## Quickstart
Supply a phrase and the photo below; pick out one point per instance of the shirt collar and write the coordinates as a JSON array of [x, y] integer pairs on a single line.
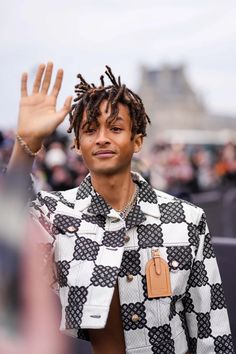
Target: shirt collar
[[147, 203]]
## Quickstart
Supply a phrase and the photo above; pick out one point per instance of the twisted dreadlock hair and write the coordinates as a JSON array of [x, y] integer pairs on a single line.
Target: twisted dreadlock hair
[[89, 98]]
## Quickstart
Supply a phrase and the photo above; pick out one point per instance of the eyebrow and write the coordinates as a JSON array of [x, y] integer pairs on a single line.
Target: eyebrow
[[119, 118]]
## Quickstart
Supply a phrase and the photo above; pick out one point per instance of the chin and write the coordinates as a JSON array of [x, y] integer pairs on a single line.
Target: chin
[[108, 170], [105, 171]]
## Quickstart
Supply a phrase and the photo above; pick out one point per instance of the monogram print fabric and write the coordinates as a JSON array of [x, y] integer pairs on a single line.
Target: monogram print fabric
[[94, 248]]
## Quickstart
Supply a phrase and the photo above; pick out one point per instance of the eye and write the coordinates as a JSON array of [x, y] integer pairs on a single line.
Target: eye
[[116, 129], [90, 130]]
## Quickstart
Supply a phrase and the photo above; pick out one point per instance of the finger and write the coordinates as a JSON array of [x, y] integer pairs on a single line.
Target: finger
[[67, 105], [38, 78], [47, 78], [24, 78], [65, 109], [57, 84]]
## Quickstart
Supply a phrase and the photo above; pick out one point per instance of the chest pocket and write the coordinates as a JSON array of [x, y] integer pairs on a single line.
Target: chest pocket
[[179, 260], [77, 247], [76, 240], [178, 257]]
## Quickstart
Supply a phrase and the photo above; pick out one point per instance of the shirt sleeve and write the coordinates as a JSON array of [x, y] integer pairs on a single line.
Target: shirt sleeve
[[205, 308], [40, 212]]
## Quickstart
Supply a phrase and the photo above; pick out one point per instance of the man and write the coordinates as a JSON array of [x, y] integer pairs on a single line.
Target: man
[[136, 269]]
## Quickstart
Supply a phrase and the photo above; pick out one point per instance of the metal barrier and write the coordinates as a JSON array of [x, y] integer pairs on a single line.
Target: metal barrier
[[220, 209], [225, 249]]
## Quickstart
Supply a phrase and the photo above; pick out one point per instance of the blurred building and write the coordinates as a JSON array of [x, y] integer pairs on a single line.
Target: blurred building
[[178, 112]]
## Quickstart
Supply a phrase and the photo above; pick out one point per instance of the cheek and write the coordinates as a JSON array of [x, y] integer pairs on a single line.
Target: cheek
[[86, 144], [84, 152], [128, 151]]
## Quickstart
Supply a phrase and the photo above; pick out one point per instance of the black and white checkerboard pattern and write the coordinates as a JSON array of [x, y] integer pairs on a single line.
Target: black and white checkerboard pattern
[[94, 248]]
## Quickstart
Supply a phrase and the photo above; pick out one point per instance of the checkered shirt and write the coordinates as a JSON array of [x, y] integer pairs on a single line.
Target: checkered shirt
[[94, 247]]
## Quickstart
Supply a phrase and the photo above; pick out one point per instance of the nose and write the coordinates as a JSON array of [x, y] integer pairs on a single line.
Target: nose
[[102, 137]]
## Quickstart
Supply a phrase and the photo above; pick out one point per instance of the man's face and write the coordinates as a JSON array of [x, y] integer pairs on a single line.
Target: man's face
[[107, 148]]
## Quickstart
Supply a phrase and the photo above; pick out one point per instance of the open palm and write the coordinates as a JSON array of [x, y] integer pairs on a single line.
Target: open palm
[[38, 116]]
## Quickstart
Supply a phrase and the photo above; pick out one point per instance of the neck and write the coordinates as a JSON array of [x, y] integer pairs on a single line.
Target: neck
[[116, 190]]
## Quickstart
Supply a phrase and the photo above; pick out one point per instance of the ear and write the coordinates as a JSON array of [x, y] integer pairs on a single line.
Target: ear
[[138, 142], [77, 146]]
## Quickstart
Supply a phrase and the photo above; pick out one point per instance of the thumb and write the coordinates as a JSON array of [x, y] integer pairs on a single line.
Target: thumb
[[65, 109]]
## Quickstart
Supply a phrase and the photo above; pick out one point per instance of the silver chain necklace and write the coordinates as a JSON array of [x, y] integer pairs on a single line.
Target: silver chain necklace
[[127, 208]]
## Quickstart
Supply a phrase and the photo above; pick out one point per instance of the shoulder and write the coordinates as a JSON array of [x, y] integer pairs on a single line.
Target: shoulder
[[172, 209], [54, 199], [171, 204]]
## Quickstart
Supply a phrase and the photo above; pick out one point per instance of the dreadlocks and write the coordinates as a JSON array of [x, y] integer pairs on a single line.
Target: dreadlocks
[[89, 98]]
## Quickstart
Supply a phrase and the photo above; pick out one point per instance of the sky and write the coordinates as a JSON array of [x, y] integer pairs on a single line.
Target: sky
[[85, 35]]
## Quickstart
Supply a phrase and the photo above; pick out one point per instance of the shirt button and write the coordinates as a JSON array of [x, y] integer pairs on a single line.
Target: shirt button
[[175, 264], [129, 277], [71, 228], [135, 318], [126, 238]]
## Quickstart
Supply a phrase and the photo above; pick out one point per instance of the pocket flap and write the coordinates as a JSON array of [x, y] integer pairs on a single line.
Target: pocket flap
[[66, 224], [177, 257]]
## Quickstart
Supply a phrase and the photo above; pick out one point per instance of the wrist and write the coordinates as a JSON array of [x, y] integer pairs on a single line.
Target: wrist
[[34, 144], [30, 146]]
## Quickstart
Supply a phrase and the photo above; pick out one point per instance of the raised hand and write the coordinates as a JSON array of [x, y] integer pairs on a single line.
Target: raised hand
[[38, 116]]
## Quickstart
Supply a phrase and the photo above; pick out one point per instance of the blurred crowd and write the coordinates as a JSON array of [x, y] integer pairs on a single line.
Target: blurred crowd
[[175, 168], [178, 169], [57, 166]]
